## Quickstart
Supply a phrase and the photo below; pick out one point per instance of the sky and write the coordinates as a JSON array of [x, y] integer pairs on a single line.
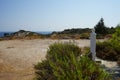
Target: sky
[[57, 15]]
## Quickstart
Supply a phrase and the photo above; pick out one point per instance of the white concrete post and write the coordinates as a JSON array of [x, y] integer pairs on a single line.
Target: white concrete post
[[93, 44]]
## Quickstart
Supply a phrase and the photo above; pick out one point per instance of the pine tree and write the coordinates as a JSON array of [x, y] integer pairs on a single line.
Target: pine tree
[[100, 28]]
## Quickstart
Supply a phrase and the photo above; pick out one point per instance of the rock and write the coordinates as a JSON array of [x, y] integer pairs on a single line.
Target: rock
[[23, 33]]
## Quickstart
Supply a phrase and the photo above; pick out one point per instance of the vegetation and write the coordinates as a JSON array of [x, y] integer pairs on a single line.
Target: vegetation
[[74, 33], [115, 40], [102, 30], [83, 33], [77, 33], [21, 34], [105, 51], [61, 50], [64, 62], [1, 39], [110, 50]]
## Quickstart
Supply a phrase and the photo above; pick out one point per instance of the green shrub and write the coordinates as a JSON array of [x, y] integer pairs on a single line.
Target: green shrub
[[1, 39], [61, 50], [84, 36], [64, 62], [86, 50], [78, 69], [110, 49], [115, 40], [44, 71], [118, 61], [105, 51], [100, 36]]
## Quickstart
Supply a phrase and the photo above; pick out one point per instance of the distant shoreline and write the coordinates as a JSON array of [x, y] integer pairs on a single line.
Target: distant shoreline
[[40, 32]]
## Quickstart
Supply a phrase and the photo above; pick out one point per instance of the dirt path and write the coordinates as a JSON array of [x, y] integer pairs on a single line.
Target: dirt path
[[17, 57], [17, 75]]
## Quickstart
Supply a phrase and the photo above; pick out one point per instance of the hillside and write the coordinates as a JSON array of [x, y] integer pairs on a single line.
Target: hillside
[[22, 34], [78, 33], [74, 33]]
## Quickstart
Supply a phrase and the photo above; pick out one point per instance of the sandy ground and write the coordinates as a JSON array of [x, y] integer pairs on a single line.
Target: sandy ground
[[17, 57]]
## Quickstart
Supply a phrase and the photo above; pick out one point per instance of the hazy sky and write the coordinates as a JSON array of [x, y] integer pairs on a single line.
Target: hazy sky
[[57, 15]]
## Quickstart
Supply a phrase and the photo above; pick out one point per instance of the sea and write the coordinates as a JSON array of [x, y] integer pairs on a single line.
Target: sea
[[40, 32]]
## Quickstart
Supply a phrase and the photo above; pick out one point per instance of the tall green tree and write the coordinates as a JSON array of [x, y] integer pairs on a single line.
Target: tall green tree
[[100, 28]]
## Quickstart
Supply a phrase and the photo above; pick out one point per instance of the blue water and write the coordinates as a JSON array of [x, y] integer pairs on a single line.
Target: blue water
[[44, 32], [40, 32], [2, 33]]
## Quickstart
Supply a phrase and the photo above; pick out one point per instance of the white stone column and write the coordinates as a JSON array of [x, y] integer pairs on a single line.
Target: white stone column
[[93, 44]]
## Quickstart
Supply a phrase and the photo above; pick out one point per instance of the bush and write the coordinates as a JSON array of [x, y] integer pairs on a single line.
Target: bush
[[86, 50], [61, 50], [63, 62], [105, 51], [110, 49], [1, 39], [115, 40], [118, 61], [44, 71], [84, 36], [74, 69], [100, 36]]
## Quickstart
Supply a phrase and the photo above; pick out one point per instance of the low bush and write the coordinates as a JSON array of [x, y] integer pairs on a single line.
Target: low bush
[[105, 51], [78, 69], [44, 71], [100, 36], [1, 39], [110, 49], [118, 61], [84, 36], [64, 62], [61, 50]]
